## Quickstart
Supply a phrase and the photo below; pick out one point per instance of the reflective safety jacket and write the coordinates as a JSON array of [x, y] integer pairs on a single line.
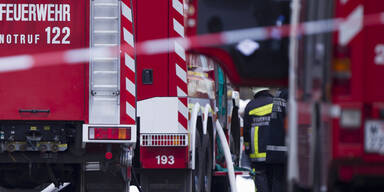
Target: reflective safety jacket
[[257, 115], [276, 148]]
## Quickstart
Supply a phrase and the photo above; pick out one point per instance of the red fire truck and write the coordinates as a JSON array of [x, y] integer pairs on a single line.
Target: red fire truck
[[336, 105], [90, 123], [339, 102]]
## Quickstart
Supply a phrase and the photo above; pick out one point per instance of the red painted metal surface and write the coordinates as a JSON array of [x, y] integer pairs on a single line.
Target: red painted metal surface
[[59, 89], [355, 53], [86, 76], [152, 22], [347, 143], [160, 20], [364, 93], [164, 157], [373, 66], [348, 172]]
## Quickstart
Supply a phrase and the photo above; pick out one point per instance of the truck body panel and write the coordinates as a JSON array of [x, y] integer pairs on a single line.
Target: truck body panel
[[373, 55], [345, 110], [58, 90], [44, 27], [152, 23]]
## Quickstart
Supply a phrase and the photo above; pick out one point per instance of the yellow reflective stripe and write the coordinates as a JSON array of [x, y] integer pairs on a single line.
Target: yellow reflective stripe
[[256, 146], [261, 111]]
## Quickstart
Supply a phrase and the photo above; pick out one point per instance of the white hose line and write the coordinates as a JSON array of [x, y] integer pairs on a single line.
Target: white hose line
[[228, 157], [195, 112], [207, 109]]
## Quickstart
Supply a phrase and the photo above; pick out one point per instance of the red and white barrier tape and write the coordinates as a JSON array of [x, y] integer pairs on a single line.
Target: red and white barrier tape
[[24, 62]]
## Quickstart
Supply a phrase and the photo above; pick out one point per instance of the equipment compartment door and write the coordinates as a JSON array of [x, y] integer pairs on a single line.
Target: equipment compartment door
[[50, 89], [374, 53]]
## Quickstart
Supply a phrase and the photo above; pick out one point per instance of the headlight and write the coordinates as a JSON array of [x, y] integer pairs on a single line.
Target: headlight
[[350, 118]]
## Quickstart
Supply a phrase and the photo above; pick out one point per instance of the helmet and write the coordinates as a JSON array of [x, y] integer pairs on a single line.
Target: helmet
[[256, 90]]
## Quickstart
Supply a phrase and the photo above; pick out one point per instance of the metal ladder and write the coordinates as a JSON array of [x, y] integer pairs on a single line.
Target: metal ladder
[[104, 93]]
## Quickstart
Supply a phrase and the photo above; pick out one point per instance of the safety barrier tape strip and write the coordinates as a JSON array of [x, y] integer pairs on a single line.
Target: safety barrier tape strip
[[25, 61]]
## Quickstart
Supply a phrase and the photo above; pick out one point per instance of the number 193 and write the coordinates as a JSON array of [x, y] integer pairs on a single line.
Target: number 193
[[163, 159]]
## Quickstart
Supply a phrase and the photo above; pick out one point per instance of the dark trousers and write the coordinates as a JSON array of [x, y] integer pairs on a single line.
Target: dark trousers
[[270, 177]]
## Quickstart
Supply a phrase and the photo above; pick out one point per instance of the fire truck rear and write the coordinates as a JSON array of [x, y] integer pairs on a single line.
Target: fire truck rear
[[67, 123], [81, 104], [339, 102], [357, 132]]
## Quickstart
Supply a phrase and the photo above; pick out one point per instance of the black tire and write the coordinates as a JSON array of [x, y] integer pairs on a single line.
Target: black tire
[[208, 161], [197, 174]]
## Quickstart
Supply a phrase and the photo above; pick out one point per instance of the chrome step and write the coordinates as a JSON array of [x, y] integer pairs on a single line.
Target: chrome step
[[105, 86], [106, 4], [101, 59], [105, 72], [105, 45], [105, 98], [105, 32], [105, 18], [92, 166]]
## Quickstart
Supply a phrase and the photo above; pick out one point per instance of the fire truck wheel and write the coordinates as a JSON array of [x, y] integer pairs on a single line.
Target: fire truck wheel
[[197, 174], [208, 158]]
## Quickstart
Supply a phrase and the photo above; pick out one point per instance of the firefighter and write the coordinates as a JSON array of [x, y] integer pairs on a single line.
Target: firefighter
[[276, 148], [256, 123]]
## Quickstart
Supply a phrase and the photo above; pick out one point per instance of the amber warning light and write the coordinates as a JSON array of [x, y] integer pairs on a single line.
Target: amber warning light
[[109, 133]]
